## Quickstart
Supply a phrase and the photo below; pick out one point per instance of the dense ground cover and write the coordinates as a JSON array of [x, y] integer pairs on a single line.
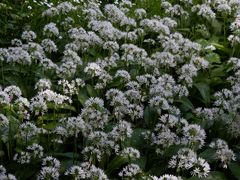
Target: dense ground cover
[[120, 90]]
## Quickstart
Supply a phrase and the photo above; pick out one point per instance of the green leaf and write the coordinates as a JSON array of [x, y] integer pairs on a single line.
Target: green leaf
[[204, 90], [136, 140], [61, 106], [82, 97], [202, 42], [219, 71], [52, 117], [186, 103], [213, 58], [141, 162], [158, 168], [68, 155], [214, 175], [67, 107], [221, 47], [217, 26], [209, 155], [172, 150], [91, 91], [148, 115], [235, 169], [116, 164]]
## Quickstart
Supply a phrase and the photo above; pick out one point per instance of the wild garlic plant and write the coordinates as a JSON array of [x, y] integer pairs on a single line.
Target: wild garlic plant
[[122, 90]]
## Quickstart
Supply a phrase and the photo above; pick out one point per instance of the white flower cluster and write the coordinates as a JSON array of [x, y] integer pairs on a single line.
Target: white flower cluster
[[166, 177], [43, 84], [34, 151], [4, 175], [223, 153], [130, 170], [86, 171], [172, 130], [63, 8], [122, 103], [130, 153], [50, 168], [51, 30], [71, 88], [28, 35], [186, 159], [39, 102], [4, 120], [94, 70], [204, 10], [94, 113], [27, 130]]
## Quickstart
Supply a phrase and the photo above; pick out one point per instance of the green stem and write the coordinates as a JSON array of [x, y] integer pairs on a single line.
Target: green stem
[[75, 149], [224, 29], [2, 74]]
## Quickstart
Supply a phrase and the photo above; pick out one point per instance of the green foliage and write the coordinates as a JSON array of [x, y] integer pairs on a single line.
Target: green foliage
[[147, 129]]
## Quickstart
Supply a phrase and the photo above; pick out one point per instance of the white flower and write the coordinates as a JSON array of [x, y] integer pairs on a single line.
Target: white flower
[[121, 131], [16, 42], [47, 173], [204, 10], [166, 177], [123, 74], [51, 30], [112, 46], [50, 161], [66, 7], [28, 35], [3, 120], [36, 150], [76, 171], [130, 171], [22, 157], [52, 11], [194, 135], [43, 84], [140, 13], [130, 152], [224, 154], [18, 55], [186, 159], [27, 130], [74, 125], [93, 69], [49, 45]]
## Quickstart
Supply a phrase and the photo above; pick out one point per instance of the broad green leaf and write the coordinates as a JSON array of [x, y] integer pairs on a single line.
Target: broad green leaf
[[61, 106], [209, 155], [148, 115], [221, 47], [136, 140], [186, 103], [204, 90], [82, 97], [116, 164], [216, 26], [68, 155], [28, 172], [213, 58], [202, 42], [52, 117], [172, 150], [235, 169], [141, 162], [158, 169], [91, 91]]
